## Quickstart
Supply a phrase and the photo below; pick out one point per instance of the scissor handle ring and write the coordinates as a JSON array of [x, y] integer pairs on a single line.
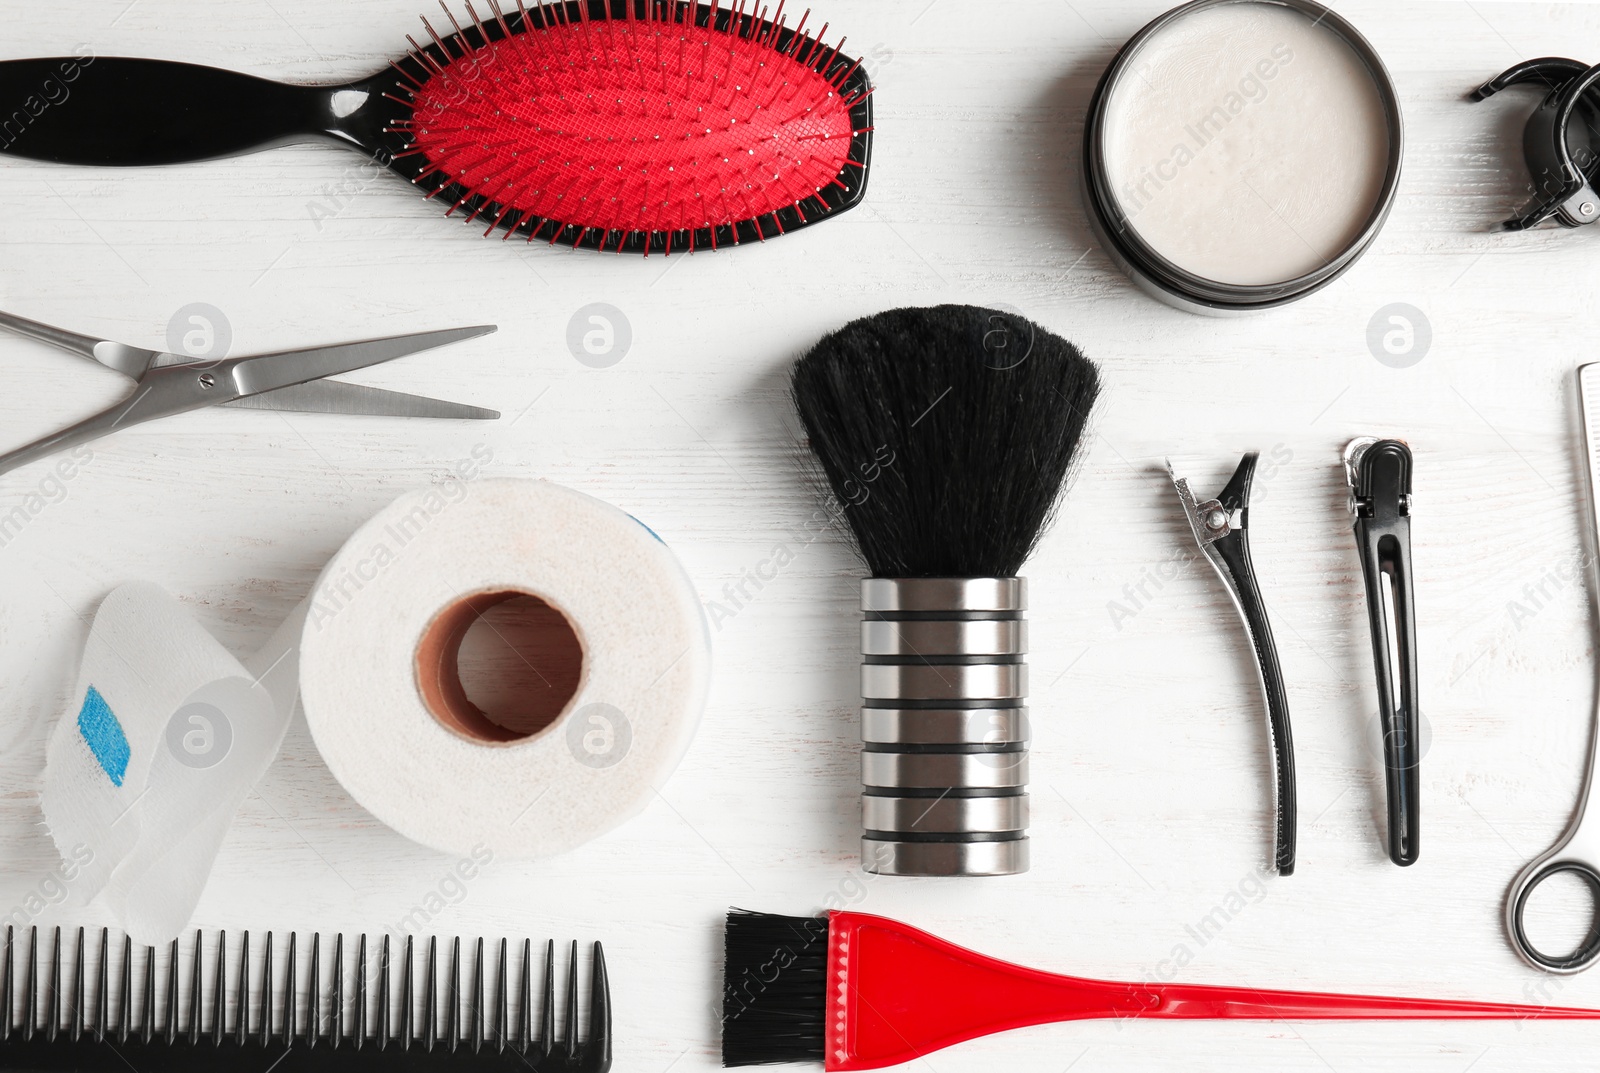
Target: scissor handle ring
[[1588, 950]]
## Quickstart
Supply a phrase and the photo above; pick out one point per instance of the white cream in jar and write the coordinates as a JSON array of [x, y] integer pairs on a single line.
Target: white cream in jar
[[1247, 143]]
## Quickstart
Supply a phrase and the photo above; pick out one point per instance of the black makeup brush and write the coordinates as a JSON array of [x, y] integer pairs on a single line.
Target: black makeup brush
[[947, 435]]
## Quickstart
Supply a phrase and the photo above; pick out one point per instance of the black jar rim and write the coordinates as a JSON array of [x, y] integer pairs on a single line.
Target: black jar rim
[[1177, 286]]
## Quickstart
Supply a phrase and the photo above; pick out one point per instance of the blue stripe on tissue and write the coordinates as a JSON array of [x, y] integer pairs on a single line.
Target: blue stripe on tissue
[[104, 736]]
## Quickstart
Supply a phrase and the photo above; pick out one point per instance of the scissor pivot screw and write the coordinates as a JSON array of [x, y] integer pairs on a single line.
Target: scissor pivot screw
[[1586, 209], [1217, 519], [207, 380]]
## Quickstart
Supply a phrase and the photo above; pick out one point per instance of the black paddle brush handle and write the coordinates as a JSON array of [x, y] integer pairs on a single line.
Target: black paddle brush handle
[[131, 112]]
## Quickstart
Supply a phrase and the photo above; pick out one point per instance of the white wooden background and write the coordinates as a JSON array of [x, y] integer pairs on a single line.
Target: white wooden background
[[1150, 775]]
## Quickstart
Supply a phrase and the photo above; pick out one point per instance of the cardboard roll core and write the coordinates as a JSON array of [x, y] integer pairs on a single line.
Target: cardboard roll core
[[500, 667]]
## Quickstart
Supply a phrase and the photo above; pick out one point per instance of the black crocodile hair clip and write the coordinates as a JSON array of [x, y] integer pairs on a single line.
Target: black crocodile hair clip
[[1221, 528]]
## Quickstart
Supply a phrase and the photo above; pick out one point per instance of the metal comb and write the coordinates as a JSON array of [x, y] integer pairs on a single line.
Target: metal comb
[[113, 1036]]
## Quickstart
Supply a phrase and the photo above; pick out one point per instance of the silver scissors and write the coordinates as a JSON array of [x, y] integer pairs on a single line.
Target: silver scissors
[[1577, 851], [166, 384]]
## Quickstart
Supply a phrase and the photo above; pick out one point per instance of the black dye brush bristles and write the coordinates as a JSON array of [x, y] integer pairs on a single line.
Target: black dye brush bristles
[[946, 433], [106, 1033], [774, 990]]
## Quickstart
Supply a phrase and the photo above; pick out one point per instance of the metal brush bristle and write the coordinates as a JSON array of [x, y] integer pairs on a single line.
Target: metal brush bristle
[[99, 1030]]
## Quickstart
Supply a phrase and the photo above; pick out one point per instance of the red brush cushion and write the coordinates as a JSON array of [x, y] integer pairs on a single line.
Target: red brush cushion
[[635, 124]]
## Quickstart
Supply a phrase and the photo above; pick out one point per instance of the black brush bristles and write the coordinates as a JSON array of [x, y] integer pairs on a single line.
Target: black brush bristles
[[774, 991], [947, 434]]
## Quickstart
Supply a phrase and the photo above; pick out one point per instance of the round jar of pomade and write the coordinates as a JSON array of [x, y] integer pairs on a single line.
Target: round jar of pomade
[[1241, 154]]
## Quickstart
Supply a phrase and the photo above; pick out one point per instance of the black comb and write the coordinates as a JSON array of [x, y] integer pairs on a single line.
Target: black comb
[[113, 1036]]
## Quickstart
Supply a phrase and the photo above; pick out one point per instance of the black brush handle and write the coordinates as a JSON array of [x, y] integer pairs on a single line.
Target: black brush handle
[[131, 112]]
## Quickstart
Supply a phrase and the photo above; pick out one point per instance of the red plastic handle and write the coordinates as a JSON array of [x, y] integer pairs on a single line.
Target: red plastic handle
[[897, 993]]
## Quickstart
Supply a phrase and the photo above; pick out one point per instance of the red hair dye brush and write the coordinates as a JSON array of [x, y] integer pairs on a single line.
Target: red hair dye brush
[[606, 124], [860, 992]]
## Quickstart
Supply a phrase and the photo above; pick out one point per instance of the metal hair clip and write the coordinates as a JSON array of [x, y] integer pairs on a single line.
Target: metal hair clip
[[1379, 475], [1560, 140], [1219, 526]]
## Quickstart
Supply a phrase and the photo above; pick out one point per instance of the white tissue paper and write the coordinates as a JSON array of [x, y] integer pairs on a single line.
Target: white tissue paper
[[165, 734]]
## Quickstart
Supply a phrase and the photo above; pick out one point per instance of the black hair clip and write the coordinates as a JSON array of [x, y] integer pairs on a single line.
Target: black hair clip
[[1561, 141], [1379, 475], [1220, 528]]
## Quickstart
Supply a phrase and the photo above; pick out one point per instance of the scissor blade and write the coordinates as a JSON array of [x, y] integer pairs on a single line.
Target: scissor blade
[[270, 372], [338, 397]]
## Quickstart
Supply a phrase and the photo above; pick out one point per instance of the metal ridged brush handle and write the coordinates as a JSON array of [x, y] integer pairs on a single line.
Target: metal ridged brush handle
[[944, 761], [109, 1025]]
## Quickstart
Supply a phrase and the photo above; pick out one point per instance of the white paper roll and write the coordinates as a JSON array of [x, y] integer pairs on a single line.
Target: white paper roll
[[385, 704]]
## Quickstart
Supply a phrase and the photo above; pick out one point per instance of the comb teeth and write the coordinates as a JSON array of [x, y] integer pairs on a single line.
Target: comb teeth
[[123, 1005], [218, 1006], [195, 987], [172, 983], [100, 1031], [148, 1018], [314, 1022], [102, 1011]]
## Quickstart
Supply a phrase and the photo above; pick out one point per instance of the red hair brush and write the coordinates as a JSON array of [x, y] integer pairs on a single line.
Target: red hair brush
[[606, 124], [860, 992]]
